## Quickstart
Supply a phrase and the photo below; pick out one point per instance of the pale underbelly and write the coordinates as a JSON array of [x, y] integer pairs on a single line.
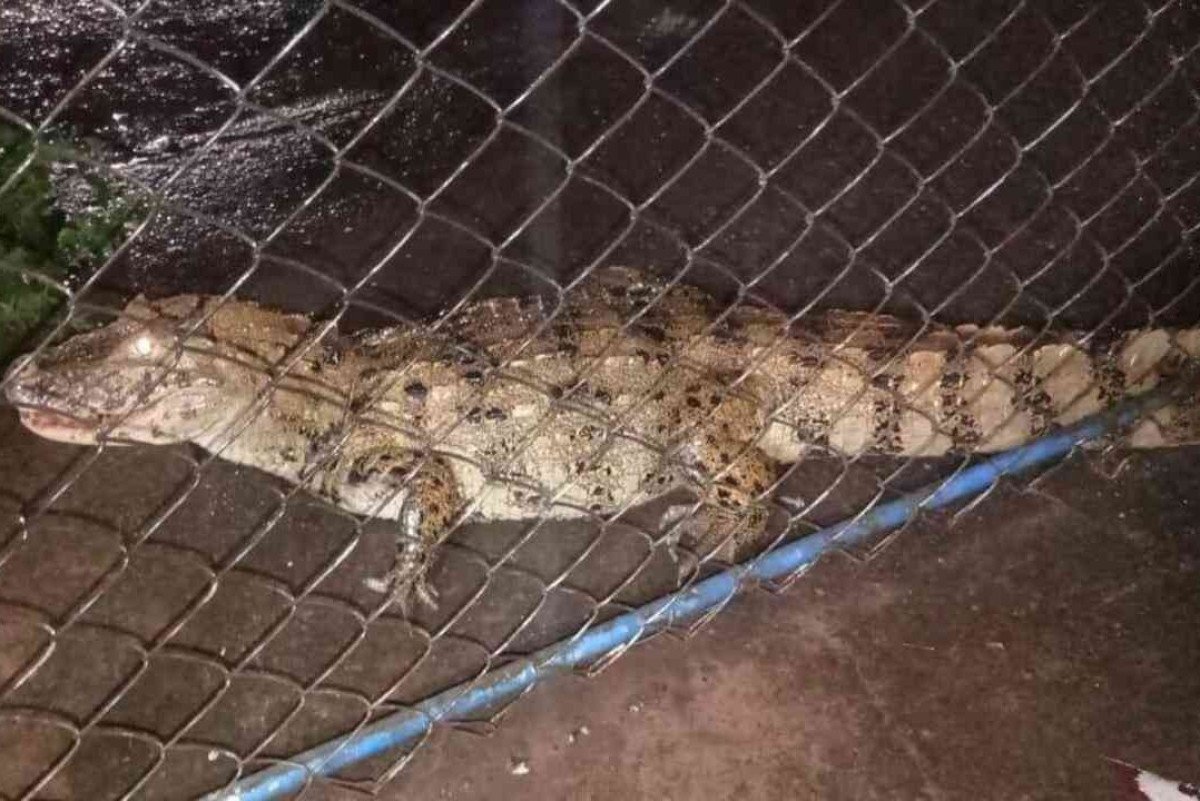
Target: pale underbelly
[[614, 476]]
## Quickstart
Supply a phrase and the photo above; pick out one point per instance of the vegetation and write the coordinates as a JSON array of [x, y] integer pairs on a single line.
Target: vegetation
[[38, 238]]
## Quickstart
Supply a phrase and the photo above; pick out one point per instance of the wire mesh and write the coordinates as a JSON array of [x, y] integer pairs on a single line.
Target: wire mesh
[[172, 621]]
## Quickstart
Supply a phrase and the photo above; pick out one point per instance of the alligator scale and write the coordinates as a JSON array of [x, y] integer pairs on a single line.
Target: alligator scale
[[632, 389]]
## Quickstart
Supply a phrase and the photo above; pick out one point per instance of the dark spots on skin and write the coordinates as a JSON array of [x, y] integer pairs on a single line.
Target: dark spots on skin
[[810, 361], [564, 334], [658, 395], [952, 380], [724, 333], [885, 381], [357, 474], [316, 445], [474, 415], [1034, 398], [879, 354], [416, 390], [585, 433], [603, 396], [1040, 402], [966, 432], [654, 333], [887, 426], [640, 293], [556, 392], [1112, 381], [693, 402], [359, 405], [952, 400], [662, 358], [496, 413], [887, 423], [473, 376], [714, 399]]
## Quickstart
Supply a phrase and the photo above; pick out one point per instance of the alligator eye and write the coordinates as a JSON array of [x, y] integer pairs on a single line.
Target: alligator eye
[[142, 346]]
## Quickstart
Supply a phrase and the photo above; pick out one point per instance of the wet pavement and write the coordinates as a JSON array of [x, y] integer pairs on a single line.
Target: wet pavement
[[1007, 657]]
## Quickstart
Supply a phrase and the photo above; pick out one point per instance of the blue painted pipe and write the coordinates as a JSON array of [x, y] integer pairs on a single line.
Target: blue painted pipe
[[505, 684]]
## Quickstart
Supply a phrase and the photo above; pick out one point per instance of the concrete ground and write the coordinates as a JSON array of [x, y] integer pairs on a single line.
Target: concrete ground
[[1005, 658]]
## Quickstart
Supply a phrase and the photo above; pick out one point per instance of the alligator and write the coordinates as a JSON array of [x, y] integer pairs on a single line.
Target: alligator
[[621, 389]]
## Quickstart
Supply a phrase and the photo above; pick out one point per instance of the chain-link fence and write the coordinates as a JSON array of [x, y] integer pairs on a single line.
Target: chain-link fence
[[171, 621]]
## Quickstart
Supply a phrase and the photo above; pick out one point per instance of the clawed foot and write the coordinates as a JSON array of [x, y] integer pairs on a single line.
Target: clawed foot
[[794, 505], [412, 562], [672, 521], [413, 585]]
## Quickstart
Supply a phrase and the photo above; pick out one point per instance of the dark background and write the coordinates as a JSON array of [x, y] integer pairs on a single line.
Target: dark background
[[1025, 162], [970, 160]]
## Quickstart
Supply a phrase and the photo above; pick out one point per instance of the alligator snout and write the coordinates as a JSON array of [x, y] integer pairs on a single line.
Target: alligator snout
[[19, 382]]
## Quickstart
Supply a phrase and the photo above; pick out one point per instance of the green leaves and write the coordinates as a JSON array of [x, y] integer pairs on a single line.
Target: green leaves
[[37, 238]]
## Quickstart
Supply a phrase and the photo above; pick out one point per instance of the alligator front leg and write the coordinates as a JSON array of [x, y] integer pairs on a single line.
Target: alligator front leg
[[415, 489], [430, 503]]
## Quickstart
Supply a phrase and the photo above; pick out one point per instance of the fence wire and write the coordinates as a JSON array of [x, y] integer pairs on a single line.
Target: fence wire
[[171, 622]]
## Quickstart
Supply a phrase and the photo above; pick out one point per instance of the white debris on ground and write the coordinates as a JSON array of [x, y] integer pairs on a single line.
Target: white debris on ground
[[376, 584], [519, 768]]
